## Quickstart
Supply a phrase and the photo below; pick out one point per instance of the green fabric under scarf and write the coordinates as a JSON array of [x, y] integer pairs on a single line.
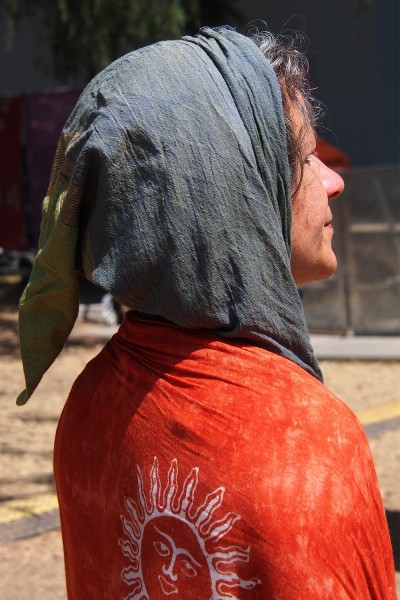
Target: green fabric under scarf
[[171, 189], [49, 305]]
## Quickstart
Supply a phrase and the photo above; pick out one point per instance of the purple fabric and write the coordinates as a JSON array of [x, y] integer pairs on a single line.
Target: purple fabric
[[44, 115], [12, 201]]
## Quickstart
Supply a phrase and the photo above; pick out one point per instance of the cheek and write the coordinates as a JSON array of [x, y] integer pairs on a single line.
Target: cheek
[[312, 257], [305, 223], [309, 206]]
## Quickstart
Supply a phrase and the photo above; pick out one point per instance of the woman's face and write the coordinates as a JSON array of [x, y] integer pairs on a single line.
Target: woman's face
[[312, 255]]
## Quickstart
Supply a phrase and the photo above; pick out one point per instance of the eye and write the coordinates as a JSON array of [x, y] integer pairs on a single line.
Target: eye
[[310, 157], [162, 549], [188, 569]]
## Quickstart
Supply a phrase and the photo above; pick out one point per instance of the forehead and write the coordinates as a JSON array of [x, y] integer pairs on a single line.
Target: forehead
[[302, 126]]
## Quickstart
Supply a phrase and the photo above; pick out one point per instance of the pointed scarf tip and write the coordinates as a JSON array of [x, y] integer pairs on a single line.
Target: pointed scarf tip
[[22, 398]]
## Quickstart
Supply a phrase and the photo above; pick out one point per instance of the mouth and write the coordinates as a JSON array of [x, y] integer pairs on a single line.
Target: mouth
[[167, 587]]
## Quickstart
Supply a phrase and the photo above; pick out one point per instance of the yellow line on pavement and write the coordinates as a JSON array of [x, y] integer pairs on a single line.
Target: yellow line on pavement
[[382, 412], [16, 509]]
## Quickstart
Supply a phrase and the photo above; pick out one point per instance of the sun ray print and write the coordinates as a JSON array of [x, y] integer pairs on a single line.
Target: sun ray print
[[169, 541]]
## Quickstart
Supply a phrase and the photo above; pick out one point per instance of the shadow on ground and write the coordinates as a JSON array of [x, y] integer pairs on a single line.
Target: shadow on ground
[[10, 294], [9, 328], [393, 519]]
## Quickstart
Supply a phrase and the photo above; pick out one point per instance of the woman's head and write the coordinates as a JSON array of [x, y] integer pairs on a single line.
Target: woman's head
[[171, 189], [313, 184], [291, 68], [312, 256]]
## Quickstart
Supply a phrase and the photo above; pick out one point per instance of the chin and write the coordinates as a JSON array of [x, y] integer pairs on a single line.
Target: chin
[[316, 271], [326, 270]]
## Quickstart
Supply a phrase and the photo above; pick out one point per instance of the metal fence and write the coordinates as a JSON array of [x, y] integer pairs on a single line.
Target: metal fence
[[363, 297]]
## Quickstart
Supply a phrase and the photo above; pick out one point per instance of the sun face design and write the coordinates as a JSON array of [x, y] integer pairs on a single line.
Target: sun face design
[[173, 544]]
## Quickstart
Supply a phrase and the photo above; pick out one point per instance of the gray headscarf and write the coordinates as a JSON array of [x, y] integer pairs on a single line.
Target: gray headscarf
[[171, 190]]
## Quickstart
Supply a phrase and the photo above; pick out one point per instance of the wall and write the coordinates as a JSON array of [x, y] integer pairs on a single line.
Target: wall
[[354, 64], [27, 66]]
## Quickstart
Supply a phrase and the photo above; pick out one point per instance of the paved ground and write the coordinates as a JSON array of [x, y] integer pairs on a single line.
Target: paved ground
[[31, 564]]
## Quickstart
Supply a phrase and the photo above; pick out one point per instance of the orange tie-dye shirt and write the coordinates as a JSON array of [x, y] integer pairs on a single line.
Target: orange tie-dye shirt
[[189, 466]]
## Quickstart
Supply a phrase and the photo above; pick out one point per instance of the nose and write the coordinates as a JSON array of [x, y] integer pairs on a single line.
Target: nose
[[170, 571], [332, 182]]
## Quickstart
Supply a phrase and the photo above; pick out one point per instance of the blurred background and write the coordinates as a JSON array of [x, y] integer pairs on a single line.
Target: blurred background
[[49, 50]]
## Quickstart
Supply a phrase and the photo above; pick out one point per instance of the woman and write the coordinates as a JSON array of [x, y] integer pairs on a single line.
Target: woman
[[199, 455]]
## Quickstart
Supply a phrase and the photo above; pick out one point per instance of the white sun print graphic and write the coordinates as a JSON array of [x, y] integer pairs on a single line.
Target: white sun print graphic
[[160, 566]]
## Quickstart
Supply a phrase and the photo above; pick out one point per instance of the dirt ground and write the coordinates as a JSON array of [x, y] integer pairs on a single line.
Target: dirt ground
[[32, 568]]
